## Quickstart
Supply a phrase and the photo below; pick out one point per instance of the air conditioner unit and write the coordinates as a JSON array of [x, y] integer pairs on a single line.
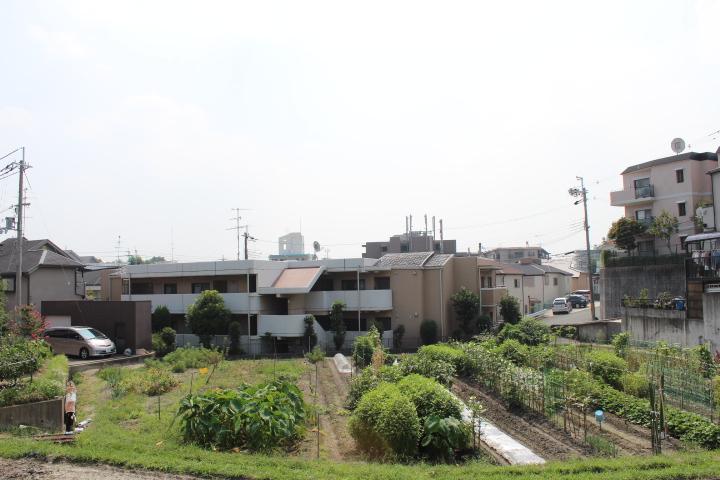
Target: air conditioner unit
[[707, 216]]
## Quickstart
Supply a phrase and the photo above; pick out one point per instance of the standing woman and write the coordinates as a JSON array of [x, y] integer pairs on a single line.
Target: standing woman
[[70, 399]]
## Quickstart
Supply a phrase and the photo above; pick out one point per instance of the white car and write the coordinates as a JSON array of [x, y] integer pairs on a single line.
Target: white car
[[562, 305]]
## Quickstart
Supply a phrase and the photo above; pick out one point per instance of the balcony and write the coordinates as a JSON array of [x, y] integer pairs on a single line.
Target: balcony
[[491, 296], [646, 222], [285, 326], [369, 300], [179, 303], [633, 196]]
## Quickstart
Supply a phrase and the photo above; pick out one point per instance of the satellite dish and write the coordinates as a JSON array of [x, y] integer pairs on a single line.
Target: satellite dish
[[677, 145]]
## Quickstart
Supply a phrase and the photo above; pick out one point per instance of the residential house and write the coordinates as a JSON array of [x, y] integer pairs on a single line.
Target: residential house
[[275, 296], [48, 272], [515, 254], [676, 184], [534, 285], [415, 241]]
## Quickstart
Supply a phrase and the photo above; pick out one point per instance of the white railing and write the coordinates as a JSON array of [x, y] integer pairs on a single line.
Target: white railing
[[179, 303], [366, 300]]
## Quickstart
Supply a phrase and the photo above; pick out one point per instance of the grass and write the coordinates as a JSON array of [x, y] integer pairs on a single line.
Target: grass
[[48, 383], [127, 432]]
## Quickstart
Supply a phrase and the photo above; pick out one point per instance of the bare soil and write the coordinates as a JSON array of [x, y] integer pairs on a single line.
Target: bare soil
[[332, 389], [32, 469], [533, 431]]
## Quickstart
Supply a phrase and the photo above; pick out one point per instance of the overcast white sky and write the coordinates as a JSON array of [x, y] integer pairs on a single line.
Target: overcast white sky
[[151, 120]]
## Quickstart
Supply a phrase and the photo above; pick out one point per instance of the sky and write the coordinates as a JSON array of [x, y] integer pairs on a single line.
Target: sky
[[152, 120]]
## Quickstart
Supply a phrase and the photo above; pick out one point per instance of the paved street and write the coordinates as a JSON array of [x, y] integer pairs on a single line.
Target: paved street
[[578, 315]]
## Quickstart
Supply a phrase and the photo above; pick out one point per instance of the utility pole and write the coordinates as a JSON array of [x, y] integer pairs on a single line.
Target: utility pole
[[247, 237], [442, 241], [21, 201], [577, 193]]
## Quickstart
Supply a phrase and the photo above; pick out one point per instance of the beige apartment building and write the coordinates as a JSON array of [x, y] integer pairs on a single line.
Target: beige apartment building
[[515, 254], [275, 296], [677, 184]]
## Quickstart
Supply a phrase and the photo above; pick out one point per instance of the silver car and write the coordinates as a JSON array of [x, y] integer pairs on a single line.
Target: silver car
[[85, 342]]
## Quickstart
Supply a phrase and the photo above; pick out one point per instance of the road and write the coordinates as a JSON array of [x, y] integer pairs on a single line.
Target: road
[[578, 315]]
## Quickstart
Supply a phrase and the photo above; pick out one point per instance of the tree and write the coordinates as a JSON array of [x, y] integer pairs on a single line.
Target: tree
[[338, 323], [309, 336], [208, 316], [510, 309], [3, 312], [664, 226], [161, 318], [467, 307], [624, 231], [428, 332], [234, 334], [28, 323], [398, 335]]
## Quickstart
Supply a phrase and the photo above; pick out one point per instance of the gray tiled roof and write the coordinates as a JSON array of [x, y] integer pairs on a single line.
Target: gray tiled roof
[[527, 269], [438, 260], [551, 269], [36, 253], [406, 260], [674, 158]]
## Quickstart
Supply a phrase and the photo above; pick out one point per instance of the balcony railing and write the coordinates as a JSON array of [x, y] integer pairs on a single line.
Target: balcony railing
[[179, 302], [647, 221], [367, 300], [705, 267], [646, 191]]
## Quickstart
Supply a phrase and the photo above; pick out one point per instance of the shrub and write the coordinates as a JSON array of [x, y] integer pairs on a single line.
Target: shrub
[[446, 353], [606, 366], [620, 343], [429, 397], [385, 423], [514, 351], [178, 367], [234, 329], [443, 436], [428, 332], [541, 356], [565, 331], [194, 357], [316, 355], [208, 316], [635, 384], [528, 331], [259, 418], [150, 381], [161, 318], [338, 323], [703, 359], [398, 335], [309, 335], [20, 357], [364, 346], [440, 370], [48, 384], [27, 322], [510, 309], [466, 305], [369, 379]]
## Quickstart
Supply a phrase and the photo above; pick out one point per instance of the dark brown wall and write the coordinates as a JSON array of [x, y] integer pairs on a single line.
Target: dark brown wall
[[127, 323]]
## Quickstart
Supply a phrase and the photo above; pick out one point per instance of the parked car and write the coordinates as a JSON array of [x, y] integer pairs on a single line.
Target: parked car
[[577, 301], [584, 293], [562, 305], [84, 342]]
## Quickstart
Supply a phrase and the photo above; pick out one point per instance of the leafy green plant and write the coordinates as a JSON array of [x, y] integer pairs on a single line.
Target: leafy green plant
[[635, 384], [445, 353], [385, 423], [601, 446], [466, 305], [701, 355], [20, 356], [193, 357], [48, 384], [510, 309], [338, 323], [364, 346], [620, 343], [440, 370], [161, 318], [309, 336], [316, 355], [428, 332], [443, 437], [208, 316], [429, 397], [514, 351], [260, 418], [369, 379], [528, 331], [606, 366], [234, 329]]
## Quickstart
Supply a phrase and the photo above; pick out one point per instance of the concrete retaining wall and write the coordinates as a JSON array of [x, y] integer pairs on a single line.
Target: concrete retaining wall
[[711, 312], [616, 282], [47, 415], [672, 326], [598, 332]]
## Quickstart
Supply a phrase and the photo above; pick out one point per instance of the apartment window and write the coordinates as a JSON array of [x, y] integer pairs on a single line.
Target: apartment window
[[170, 288], [680, 175], [352, 284], [220, 286], [200, 287], [386, 323], [8, 284], [482, 282], [643, 216], [253, 283], [516, 283], [382, 283], [488, 282], [681, 209], [403, 248], [555, 282], [324, 284], [383, 248], [141, 288]]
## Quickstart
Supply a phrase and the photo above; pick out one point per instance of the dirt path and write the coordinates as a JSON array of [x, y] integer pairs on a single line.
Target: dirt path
[[28, 469], [335, 440], [533, 431]]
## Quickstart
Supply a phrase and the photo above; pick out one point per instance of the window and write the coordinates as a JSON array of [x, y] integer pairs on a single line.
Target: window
[[555, 282], [8, 284], [403, 248], [170, 288], [436, 246], [515, 282], [482, 282], [220, 286], [253, 283], [488, 282], [352, 284], [681, 209], [141, 288], [382, 283], [383, 248], [324, 284], [200, 287], [680, 175], [385, 323], [643, 215]]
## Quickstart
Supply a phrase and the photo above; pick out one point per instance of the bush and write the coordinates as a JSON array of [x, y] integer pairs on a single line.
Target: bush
[[565, 331], [443, 437], [428, 332], [178, 367], [316, 355], [20, 357], [440, 370], [369, 379], [541, 356], [528, 331], [398, 335], [445, 353], [48, 384], [234, 334], [150, 381], [161, 318], [259, 418], [167, 335], [429, 397], [309, 335], [385, 423], [193, 357], [510, 309], [364, 347], [606, 366], [620, 343], [208, 316], [635, 384], [514, 351]]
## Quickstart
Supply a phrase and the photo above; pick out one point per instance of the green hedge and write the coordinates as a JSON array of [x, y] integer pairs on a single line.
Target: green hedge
[[429, 397]]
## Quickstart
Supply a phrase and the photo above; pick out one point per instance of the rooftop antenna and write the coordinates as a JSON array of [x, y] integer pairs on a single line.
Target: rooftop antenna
[[117, 248], [677, 145], [237, 228]]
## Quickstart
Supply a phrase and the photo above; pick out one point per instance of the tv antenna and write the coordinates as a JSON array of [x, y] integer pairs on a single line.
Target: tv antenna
[[237, 228]]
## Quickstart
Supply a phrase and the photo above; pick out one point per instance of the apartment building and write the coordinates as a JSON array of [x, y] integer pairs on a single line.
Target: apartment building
[[515, 254], [676, 184], [415, 241], [275, 296]]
